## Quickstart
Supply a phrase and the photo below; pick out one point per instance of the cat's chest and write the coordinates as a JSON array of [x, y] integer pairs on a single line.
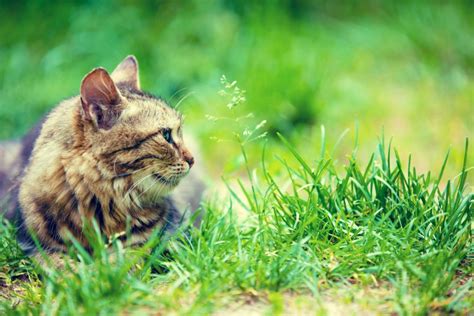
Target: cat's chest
[[117, 207]]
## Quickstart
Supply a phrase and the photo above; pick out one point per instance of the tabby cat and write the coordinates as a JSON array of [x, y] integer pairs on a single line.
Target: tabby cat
[[113, 154]]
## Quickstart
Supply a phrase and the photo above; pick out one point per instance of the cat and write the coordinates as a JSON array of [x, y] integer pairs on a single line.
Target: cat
[[114, 154]]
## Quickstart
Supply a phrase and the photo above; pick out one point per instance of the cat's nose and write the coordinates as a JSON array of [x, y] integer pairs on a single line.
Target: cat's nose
[[188, 157], [189, 160]]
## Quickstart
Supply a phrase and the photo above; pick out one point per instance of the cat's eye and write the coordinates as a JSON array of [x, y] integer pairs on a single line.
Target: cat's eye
[[167, 135]]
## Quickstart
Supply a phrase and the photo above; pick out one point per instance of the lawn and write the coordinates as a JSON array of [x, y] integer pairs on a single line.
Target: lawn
[[339, 162]]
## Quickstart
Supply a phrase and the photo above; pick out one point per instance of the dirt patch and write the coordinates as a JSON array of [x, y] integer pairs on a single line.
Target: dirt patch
[[343, 301]]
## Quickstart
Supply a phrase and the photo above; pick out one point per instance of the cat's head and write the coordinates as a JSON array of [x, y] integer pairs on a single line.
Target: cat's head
[[132, 133]]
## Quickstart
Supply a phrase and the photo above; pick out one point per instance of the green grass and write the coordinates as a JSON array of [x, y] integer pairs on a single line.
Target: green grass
[[377, 225]]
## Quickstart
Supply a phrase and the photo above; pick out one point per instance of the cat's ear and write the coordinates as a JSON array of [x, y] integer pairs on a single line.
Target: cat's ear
[[127, 73], [100, 98]]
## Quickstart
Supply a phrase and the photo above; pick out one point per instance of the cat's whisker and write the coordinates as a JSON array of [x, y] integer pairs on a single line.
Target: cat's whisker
[[183, 98], [176, 93], [165, 174], [136, 184], [160, 186]]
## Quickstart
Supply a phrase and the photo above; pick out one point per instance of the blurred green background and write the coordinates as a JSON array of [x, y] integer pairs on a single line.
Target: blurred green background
[[401, 69]]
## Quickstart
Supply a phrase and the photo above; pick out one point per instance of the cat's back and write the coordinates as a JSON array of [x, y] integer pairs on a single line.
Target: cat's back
[[50, 133], [57, 131], [51, 141]]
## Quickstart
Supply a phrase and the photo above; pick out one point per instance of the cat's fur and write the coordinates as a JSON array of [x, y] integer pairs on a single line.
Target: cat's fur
[[113, 154]]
